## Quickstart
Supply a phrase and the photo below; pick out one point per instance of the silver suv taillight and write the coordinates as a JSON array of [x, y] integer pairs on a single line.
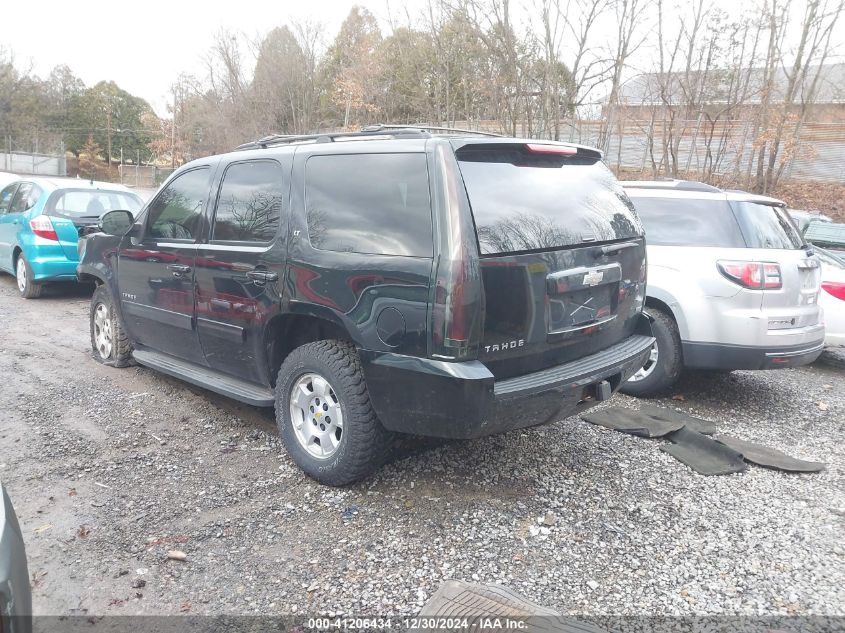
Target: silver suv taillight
[[753, 275]]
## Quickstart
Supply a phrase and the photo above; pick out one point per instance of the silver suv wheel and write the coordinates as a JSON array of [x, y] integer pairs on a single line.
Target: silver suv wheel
[[102, 331], [316, 415], [645, 370]]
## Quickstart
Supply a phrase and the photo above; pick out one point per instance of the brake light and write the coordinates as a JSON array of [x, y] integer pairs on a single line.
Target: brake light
[[458, 299], [42, 227], [753, 275], [560, 150], [837, 289]]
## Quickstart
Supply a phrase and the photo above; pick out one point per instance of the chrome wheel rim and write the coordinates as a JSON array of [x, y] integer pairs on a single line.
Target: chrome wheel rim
[[646, 370], [21, 275], [102, 330], [316, 415]]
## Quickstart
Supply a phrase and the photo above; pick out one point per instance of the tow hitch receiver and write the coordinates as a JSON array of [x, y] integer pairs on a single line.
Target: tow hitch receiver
[[603, 390]]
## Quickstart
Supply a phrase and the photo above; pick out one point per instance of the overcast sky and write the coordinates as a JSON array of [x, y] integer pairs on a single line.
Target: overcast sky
[[144, 50]]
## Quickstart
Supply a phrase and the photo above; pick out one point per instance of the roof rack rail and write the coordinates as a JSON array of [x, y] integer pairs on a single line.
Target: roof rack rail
[[329, 137], [427, 128], [372, 132], [676, 185]]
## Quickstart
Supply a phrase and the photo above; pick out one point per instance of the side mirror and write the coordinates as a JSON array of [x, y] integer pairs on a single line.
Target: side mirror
[[116, 222]]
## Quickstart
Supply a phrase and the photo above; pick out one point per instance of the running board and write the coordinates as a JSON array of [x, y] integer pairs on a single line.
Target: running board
[[206, 378]]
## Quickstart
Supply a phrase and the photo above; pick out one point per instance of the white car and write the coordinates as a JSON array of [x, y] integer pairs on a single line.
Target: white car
[[731, 283], [832, 297]]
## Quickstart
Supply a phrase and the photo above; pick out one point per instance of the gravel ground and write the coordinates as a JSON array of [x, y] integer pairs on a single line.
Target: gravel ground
[[110, 469]]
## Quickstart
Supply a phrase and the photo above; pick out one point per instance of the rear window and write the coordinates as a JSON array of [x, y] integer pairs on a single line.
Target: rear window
[[688, 222], [369, 203], [767, 226], [523, 201], [75, 204]]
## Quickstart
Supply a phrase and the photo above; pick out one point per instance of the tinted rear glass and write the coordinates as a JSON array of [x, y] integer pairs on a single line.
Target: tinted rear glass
[[369, 203], [767, 226], [94, 203], [523, 201], [689, 222]]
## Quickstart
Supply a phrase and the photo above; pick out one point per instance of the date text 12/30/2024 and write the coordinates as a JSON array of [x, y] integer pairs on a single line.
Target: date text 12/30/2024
[[492, 623]]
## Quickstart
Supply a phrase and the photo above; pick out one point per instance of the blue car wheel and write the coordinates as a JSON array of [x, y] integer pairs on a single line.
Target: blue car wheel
[[27, 286]]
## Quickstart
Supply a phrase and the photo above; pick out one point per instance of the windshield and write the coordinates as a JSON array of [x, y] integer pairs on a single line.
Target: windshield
[[767, 226], [94, 203], [523, 201]]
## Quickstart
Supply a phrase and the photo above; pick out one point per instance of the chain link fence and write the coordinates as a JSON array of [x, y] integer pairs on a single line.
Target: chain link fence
[[143, 176], [30, 163]]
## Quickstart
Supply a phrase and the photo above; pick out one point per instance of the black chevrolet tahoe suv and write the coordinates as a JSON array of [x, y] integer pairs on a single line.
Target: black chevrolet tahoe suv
[[395, 280]]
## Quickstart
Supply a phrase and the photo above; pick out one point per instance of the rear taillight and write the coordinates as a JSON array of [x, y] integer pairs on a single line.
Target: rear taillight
[[836, 289], [560, 150], [42, 227], [458, 301], [753, 275]]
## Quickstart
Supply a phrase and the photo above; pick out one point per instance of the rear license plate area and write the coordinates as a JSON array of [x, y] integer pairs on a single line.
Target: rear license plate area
[[580, 298], [575, 309]]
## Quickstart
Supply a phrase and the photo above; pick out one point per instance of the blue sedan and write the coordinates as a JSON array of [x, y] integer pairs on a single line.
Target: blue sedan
[[41, 220]]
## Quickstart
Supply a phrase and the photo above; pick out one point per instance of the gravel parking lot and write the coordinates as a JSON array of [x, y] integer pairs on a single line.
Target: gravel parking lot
[[110, 469]]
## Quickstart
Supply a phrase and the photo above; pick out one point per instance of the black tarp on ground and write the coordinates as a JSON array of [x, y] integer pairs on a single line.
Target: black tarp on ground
[[769, 457], [691, 444], [632, 422], [703, 454], [648, 421], [705, 427]]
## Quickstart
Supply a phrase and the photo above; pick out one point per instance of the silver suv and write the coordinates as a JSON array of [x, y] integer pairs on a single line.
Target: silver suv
[[731, 283]]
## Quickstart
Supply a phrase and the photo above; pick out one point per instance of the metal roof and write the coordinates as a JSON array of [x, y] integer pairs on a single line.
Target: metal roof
[[825, 233]]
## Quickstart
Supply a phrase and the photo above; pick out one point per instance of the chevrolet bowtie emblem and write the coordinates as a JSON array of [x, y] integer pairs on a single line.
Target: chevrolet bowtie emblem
[[593, 277]]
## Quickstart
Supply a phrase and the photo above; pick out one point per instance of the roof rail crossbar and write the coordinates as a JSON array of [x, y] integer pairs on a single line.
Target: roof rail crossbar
[[675, 185], [428, 128], [330, 137]]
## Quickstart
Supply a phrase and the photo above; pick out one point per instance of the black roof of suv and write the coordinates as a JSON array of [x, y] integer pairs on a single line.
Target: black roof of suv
[[411, 280]]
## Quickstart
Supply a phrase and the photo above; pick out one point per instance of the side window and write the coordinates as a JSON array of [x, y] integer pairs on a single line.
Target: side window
[[176, 212], [6, 197], [25, 198], [369, 203], [249, 207]]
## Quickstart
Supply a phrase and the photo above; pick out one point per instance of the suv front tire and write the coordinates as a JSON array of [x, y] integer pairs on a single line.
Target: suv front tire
[[664, 367], [324, 414], [109, 343]]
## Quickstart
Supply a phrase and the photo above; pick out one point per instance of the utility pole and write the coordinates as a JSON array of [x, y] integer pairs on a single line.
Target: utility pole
[[108, 129], [173, 133]]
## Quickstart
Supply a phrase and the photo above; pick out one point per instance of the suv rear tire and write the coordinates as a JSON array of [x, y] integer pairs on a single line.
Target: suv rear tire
[[319, 381], [109, 343], [667, 366]]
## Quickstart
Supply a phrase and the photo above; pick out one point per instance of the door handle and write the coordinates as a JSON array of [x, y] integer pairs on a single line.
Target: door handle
[[262, 276], [178, 269], [611, 249]]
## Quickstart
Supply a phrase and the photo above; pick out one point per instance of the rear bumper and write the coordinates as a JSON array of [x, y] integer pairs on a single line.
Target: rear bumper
[[463, 400], [720, 356], [53, 267]]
